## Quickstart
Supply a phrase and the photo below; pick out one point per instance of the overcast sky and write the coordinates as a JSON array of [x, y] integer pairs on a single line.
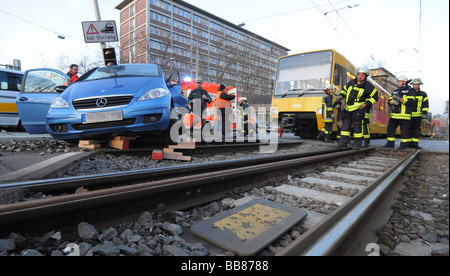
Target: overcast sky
[[382, 32]]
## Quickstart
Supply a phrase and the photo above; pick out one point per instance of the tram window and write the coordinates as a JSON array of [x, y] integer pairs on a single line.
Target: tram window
[[338, 76], [381, 104], [378, 104]]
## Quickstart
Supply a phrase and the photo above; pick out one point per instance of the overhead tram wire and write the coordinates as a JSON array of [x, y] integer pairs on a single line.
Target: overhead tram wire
[[28, 21], [362, 44], [335, 28], [289, 12]]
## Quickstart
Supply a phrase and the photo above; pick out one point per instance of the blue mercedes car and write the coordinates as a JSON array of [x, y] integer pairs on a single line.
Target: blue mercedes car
[[128, 99]]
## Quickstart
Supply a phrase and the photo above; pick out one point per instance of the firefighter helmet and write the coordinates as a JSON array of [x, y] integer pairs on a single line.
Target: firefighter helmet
[[331, 87], [363, 69], [417, 81], [402, 78]]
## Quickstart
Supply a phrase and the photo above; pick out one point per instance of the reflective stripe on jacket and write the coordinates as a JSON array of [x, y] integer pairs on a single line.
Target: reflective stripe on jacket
[[355, 96], [221, 103], [404, 109], [327, 109], [422, 104]]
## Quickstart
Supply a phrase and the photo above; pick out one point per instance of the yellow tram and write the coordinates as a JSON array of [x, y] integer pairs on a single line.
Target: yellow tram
[[299, 90]]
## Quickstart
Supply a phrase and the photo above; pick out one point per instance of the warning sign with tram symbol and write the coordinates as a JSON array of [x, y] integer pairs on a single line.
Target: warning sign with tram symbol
[[100, 31]]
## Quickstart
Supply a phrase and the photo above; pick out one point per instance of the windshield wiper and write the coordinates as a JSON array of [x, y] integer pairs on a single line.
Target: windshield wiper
[[305, 91], [290, 91]]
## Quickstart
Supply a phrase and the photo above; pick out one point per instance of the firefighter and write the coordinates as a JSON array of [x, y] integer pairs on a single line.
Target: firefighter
[[197, 97], [366, 124], [357, 96], [223, 104], [402, 102], [245, 117], [327, 114], [419, 113]]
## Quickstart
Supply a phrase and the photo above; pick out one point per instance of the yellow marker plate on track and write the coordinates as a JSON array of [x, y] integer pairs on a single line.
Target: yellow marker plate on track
[[248, 229]]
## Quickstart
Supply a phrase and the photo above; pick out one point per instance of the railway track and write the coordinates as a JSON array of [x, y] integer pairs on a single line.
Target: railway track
[[346, 183]]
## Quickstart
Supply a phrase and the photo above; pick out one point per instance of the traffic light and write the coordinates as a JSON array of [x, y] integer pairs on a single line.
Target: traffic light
[[109, 55]]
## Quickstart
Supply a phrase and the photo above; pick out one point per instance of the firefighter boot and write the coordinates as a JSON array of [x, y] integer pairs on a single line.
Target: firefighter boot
[[414, 145], [366, 143], [389, 145], [403, 146], [342, 145], [321, 135], [357, 145]]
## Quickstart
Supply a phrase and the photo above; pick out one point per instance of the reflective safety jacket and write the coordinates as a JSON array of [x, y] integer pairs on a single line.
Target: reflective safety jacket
[[327, 109], [72, 76], [422, 104], [223, 99], [403, 110], [356, 96]]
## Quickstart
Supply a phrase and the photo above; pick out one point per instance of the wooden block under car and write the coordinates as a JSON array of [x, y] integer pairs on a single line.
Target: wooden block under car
[[89, 144], [171, 155], [184, 145], [124, 138], [117, 144], [157, 155], [121, 142]]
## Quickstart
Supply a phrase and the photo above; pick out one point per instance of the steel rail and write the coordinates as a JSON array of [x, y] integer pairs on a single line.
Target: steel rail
[[70, 184], [326, 237], [181, 192]]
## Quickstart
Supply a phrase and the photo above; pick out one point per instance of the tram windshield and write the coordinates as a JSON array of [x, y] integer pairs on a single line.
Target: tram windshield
[[304, 74]]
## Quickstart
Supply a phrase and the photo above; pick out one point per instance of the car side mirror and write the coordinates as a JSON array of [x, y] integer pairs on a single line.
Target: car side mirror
[[60, 88]]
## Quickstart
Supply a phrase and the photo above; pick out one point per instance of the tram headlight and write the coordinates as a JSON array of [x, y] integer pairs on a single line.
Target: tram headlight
[[319, 111], [274, 112]]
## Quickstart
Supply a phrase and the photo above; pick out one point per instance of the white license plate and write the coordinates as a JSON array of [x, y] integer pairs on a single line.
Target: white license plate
[[100, 117]]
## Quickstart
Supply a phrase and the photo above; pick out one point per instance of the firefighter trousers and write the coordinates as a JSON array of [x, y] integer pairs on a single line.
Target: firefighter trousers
[[327, 130], [355, 119], [416, 123], [404, 129], [366, 131]]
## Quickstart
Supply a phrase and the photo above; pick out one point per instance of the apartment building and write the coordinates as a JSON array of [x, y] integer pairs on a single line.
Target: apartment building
[[178, 35]]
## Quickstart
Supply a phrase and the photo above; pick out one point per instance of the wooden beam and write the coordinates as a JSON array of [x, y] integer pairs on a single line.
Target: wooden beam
[[119, 144], [184, 145]]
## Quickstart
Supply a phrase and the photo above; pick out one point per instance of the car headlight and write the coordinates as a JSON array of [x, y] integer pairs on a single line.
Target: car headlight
[[60, 103], [154, 94]]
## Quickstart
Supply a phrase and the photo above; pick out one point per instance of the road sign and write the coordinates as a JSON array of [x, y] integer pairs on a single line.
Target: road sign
[[100, 31]]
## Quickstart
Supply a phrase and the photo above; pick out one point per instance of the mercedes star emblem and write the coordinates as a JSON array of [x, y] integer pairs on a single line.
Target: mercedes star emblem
[[102, 102]]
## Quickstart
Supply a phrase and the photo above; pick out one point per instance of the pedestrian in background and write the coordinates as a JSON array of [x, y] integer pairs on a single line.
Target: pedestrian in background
[[73, 72]]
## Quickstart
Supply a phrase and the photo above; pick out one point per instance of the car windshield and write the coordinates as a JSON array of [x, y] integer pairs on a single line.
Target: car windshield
[[129, 70]]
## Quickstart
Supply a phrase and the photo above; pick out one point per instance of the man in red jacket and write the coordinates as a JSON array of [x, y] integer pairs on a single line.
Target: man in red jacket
[[73, 72]]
